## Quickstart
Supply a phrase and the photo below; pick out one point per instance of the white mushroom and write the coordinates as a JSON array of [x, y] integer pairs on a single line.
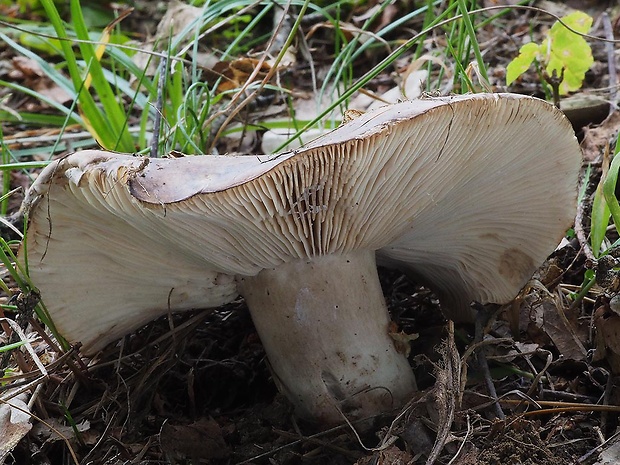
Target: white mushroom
[[470, 193]]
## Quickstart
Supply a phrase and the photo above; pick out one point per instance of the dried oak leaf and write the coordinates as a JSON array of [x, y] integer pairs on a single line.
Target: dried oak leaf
[[200, 440], [607, 339]]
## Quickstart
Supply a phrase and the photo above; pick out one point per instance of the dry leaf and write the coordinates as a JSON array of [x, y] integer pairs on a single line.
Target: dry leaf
[[200, 440], [546, 320], [607, 339], [14, 424], [402, 340], [29, 74], [390, 456], [236, 73], [54, 430], [597, 138], [178, 16]]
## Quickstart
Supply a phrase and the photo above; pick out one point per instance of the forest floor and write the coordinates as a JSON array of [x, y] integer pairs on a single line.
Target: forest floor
[[542, 388]]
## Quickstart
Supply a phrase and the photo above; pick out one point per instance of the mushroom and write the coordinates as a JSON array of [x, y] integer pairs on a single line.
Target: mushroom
[[469, 193]]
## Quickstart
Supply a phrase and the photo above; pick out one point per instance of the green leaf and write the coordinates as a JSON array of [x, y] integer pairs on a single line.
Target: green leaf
[[609, 190], [579, 21], [569, 51], [45, 45], [522, 62], [8, 347], [114, 127], [599, 220], [563, 53]]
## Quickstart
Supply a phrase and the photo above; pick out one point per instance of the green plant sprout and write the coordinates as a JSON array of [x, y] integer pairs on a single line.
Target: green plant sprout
[[564, 54], [605, 206]]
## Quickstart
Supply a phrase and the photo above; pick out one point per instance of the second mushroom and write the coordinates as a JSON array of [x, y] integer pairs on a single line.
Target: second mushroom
[[468, 193]]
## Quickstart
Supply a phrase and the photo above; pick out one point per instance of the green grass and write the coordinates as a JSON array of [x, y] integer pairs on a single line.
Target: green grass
[[113, 96], [463, 46], [605, 207]]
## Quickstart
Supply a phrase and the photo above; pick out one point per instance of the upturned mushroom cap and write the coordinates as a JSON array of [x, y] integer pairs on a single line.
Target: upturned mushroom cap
[[470, 193]]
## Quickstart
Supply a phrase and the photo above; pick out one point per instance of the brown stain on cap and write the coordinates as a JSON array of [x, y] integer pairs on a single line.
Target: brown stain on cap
[[516, 266]]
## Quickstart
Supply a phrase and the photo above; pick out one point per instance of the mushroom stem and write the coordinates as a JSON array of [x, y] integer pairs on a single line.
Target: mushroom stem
[[324, 325]]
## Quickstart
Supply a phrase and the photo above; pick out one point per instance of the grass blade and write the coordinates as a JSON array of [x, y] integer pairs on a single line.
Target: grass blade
[[116, 117]]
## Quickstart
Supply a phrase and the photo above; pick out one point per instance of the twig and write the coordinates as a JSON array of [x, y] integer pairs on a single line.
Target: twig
[[586, 457], [482, 361], [460, 449], [27, 346], [19, 357], [581, 234], [24, 388], [606, 399], [611, 62], [290, 444], [73, 361], [159, 104], [541, 373], [484, 367], [317, 442], [555, 81], [446, 391], [549, 394], [474, 347], [282, 25], [26, 376]]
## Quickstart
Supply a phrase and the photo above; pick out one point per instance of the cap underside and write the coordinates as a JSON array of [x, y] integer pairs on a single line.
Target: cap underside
[[472, 193]]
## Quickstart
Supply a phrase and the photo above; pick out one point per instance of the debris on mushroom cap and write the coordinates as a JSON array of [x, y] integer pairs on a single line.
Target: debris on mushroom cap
[[99, 258], [469, 192]]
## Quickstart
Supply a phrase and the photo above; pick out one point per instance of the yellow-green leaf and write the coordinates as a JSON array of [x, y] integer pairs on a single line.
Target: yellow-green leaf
[[518, 66], [562, 52], [579, 21], [569, 51]]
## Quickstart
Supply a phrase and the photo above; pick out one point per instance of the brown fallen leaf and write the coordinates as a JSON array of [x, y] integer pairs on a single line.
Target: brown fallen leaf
[[607, 339], [29, 74], [547, 320], [14, 424], [200, 440], [54, 430], [597, 138], [235, 73], [390, 456]]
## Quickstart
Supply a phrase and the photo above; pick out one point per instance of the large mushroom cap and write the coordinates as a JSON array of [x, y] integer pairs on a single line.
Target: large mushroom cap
[[471, 193]]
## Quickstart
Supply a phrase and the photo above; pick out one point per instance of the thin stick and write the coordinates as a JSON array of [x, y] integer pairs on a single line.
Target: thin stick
[[482, 359], [611, 62], [581, 234], [446, 393], [159, 104], [458, 452]]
